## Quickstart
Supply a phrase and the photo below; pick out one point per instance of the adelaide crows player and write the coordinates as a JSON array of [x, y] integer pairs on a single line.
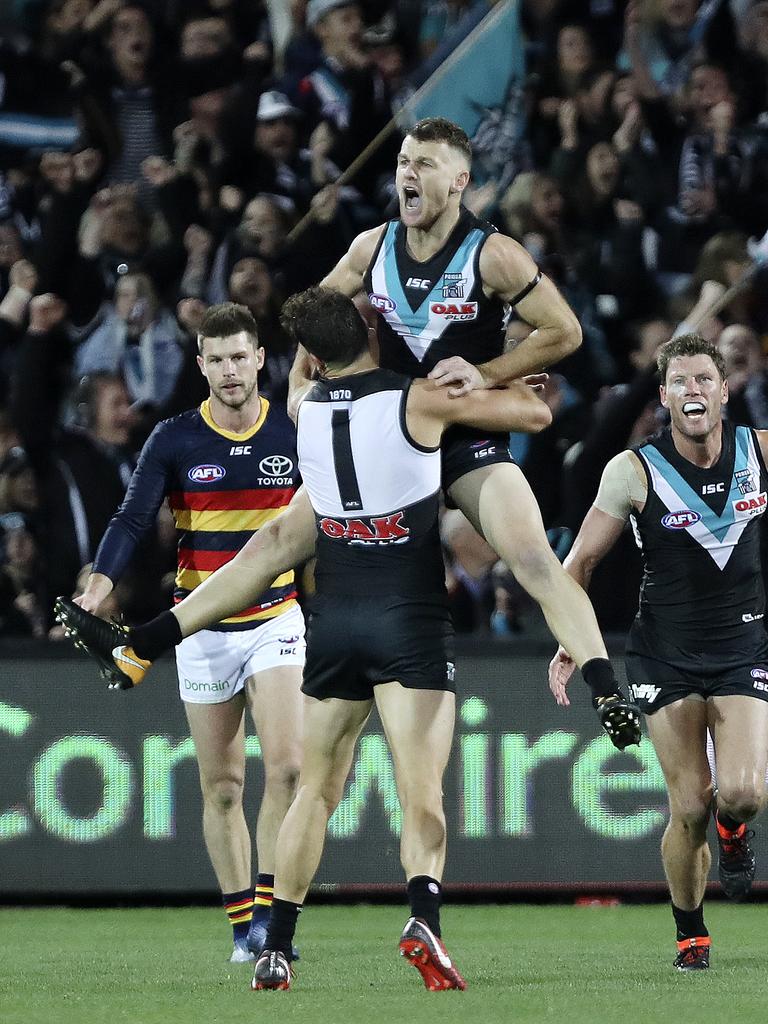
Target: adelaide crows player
[[226, 469]]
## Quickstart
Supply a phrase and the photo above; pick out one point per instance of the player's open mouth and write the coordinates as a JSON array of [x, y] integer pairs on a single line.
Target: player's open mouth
[[412, 198], [694, 410]]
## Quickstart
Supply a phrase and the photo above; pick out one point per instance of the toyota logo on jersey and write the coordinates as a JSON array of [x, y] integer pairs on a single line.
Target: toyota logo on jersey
[[206, 474], [276, 465]]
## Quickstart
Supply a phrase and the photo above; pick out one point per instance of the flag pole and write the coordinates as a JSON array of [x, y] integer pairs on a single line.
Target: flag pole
[[437, 75]]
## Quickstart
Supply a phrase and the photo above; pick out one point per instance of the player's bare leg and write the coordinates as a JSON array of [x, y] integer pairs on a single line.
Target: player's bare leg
[[276, 704], [218, 734], [679, 736], [739, 726], [419, 728], [331, 729], [499, 503]]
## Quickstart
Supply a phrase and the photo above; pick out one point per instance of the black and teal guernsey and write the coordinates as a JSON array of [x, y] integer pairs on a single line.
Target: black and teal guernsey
[[699, 532], [436, 309]]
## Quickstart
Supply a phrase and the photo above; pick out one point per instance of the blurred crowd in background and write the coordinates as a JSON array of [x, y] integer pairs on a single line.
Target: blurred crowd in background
[[155, 157]]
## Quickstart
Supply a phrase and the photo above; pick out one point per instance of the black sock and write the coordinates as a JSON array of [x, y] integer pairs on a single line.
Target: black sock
[[156, 636], [690, 923], [425, 897], [729, 824], [598, 675], [282, 925]]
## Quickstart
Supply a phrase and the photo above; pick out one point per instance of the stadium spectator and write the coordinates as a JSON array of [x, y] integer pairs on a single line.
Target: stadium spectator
[[81, 472], [138, 339], [22, 598]]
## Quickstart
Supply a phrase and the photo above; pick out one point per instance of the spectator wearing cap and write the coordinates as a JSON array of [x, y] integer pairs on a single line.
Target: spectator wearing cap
[[276, 164], [346, 91]]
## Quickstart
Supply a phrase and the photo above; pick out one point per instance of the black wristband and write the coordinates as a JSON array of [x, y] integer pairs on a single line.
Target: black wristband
[[156, 636], [598, 675]]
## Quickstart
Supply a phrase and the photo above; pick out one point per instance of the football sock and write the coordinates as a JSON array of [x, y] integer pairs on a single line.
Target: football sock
[[598, 675], [262, 896], [690, 923], [239, 908], [726, 825], [156, 636], [282, 924], [424, 897]]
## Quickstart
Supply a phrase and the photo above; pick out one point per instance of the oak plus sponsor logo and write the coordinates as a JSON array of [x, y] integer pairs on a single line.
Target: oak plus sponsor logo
[[754, 505], [207, 473], [680, 520], [459, 311], [374, 530], [277, 470], [382, 303]]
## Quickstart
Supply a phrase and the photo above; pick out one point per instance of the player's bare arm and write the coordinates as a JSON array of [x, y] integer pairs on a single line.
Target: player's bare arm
[[515, 406], [622, 489], [279, 546], [507, 271], [762, 440], [347, 278]]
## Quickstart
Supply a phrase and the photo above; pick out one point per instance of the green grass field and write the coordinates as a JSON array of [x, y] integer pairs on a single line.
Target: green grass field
[[522, 963]]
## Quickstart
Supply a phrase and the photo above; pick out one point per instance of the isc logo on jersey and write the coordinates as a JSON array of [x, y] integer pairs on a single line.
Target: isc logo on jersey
[[680, 520], [454, 310], [206, 474], [752, 506]]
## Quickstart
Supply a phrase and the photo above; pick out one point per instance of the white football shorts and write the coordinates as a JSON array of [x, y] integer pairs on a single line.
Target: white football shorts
[[213, 666]]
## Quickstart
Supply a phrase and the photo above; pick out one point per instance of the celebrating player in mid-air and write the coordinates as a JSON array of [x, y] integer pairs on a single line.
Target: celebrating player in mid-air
[[697, 653], [442, 283]]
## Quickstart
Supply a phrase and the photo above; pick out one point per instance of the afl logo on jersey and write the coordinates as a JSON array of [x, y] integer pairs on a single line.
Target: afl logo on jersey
[[276, 465], [454, 310], [382, 303], [680, 520], [206, 474]]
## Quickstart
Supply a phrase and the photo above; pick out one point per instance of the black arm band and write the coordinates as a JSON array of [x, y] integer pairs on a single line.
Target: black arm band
[[528, 288]]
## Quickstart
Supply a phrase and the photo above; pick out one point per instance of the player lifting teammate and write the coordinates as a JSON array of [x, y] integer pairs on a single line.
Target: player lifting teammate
[[380, 632]]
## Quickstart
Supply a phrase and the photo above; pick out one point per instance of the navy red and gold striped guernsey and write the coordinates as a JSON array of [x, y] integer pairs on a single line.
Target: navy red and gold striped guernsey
[[221, 488]]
